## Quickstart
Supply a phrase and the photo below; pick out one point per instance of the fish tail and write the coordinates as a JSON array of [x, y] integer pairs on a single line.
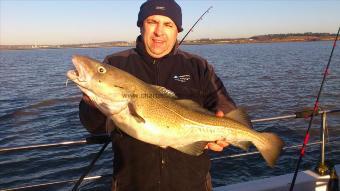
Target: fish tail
[[270, 146]]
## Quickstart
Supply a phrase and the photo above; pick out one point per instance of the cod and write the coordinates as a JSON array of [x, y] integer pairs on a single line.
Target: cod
[[155, 115]]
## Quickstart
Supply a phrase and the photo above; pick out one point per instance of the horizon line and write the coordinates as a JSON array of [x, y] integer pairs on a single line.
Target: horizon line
[[133, 41]]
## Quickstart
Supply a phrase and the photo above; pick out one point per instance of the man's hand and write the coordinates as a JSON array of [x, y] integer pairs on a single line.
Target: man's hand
[[219, 144]]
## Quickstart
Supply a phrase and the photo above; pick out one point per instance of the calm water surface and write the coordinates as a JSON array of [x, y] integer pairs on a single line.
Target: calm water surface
[[268, 79]]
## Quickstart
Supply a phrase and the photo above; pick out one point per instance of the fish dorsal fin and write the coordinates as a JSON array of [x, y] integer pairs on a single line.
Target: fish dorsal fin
[[240, 115], [165, 91], [187, 103], [194, 149], [134, 113]]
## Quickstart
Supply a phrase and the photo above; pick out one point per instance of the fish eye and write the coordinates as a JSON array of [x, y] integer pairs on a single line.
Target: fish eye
[[102, 70]]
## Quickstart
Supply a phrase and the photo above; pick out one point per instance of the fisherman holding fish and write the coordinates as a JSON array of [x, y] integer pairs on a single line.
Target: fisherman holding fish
[[156, 60]]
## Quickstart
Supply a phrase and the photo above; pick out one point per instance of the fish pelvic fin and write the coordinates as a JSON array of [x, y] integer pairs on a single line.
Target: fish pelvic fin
[[270, 149], [194, 149], [244, 145]]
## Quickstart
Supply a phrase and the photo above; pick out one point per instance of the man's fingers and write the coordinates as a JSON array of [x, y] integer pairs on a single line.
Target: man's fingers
[[219, 113], [222, 143], [214, 147], [217, 146]]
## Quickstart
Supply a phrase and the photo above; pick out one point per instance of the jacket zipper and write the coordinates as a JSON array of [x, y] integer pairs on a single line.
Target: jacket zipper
[[156, 72]]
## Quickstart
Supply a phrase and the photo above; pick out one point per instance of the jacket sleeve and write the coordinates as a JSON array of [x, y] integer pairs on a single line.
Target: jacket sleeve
[[92, 119], [216, 95]]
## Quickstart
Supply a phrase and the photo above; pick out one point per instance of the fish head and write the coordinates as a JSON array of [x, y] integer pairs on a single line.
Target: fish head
[[102, 83]]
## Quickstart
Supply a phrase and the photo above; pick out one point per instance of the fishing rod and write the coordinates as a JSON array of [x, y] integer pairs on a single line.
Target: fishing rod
[[88, 169], [75, 188], [190, 30], [315, 111]]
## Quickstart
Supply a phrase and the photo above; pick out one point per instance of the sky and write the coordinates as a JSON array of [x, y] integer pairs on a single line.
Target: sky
[[26, 22]]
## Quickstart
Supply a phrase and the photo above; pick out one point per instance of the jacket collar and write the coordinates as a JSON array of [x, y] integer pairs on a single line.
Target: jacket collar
[[140, 48]]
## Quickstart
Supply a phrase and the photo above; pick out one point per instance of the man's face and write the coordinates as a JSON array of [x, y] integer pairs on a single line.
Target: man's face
[[159, 35]]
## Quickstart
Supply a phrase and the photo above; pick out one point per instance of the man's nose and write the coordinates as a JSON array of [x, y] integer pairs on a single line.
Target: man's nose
[[159, 30]]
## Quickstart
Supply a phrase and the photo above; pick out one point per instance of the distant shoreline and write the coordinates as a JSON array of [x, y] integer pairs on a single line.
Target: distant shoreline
[[270, 38]]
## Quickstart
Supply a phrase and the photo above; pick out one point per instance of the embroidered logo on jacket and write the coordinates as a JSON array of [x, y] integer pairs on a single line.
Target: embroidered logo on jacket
[[182, 78]]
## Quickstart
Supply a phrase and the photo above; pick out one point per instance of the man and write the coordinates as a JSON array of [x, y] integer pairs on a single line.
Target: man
[[157, 60]]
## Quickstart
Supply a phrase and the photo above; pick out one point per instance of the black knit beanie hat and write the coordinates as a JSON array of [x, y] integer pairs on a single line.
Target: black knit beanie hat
[[168, 8]]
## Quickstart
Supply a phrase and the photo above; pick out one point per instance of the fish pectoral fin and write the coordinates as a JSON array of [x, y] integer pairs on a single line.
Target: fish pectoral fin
[[244, 145], [194, 149], [240, 115], [134, 113], [187, 103], [165, 92]]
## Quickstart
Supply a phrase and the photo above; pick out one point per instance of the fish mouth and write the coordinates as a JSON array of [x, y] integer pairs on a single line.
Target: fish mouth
[[79, 74], [73, 75]]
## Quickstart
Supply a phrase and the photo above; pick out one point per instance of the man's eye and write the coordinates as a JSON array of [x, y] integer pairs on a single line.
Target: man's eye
[[151, 22], [170, 25]]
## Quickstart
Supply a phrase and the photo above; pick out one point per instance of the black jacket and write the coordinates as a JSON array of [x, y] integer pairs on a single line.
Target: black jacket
[[139, 166]]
